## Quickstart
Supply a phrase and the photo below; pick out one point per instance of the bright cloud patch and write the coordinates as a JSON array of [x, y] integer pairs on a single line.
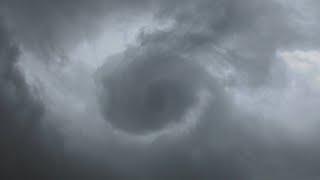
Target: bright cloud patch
[[304, 63]]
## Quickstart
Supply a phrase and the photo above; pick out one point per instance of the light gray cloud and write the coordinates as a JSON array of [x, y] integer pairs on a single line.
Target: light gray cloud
[[53, 26]]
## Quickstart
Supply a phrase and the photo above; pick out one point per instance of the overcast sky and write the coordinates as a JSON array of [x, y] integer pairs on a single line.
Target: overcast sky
[[153, 90]]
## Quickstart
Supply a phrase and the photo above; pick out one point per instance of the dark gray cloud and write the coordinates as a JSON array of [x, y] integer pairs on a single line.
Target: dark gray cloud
[[20, 114], [155, 88], [149, 89], [28, 150]]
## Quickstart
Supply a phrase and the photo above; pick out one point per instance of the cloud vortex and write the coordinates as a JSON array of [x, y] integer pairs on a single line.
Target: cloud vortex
[[149, 92]]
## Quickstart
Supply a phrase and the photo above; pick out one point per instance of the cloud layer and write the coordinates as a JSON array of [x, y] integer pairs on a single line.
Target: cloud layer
[[205, 97]]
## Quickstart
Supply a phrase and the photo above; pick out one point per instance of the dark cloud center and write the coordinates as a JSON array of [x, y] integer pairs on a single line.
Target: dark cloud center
[[146, 95]]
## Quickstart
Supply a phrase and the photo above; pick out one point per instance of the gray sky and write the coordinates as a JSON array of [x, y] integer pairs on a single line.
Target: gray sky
[[146, 89]]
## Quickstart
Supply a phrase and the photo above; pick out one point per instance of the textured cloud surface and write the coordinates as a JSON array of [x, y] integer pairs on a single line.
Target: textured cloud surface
[[146, 89]]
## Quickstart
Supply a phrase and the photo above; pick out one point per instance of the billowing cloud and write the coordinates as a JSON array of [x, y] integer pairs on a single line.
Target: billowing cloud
[[56, 26]]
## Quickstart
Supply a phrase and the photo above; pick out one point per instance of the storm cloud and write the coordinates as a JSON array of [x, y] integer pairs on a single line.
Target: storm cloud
[[202, 92], [20, 113]]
